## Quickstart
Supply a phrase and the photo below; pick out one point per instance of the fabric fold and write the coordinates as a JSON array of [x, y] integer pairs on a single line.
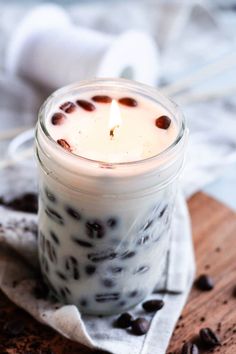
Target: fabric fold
[[18, 279]]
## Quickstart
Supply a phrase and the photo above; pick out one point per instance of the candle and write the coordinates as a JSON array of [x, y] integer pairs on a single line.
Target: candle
[[109, 155], [109, 130]]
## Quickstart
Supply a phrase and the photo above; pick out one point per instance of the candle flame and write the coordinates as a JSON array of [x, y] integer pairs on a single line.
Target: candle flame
[[115, 120]]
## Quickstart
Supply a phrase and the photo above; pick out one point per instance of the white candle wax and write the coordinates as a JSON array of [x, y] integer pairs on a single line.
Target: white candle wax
[[90, 134]]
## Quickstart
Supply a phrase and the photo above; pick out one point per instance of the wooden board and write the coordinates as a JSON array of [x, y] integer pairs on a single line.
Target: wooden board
[[214, 231]]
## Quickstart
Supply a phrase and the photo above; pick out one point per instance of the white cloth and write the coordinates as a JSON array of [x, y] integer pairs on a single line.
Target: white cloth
[[18, 278]]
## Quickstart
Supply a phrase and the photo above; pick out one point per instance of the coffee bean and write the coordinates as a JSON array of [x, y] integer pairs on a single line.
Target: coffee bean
[[68, 107], [54, 237], [128, 254], [108, 283], [189, 348], [90, 269], [112, 223], [50, 196], [83, 302], [103, 256], [86, 105], [234, 292], [142, 269], [61, 275], [209, 338], [45, 265], [14, 328], [73, 213], [204, 282], [42, 241], [102, 99], [63, 293], [27, 202], [153, 305], [148, 224], [51, 251], [107, 297], [163, 122], [143, 240], [128, 101], [63, 143], [124, 320], [95, 229], [133, 293], [116, 270], [72, 267], [58, 118], [82, 243], [140, 326], [162, 211], [53, 214]]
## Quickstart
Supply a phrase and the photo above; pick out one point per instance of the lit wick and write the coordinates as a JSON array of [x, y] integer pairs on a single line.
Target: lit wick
[[112, 132], [115, 120]]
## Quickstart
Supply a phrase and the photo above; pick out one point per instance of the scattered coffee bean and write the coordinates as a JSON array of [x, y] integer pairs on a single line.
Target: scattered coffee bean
[[140, 326], [124, 320], [163, 122], [63, 143], [234, 292], [68, 107], [86, 105], [102, 99], [27, 202], [128, 101], [189, 348], [153, 305], [209, 338], [204, 282], [73, 213], [14, 328], [58, 118]]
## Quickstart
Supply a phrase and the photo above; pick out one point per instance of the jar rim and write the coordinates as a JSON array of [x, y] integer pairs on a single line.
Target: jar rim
[[132, 85]]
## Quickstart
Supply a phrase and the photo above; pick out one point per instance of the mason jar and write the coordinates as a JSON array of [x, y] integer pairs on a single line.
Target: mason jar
[[104, 228]]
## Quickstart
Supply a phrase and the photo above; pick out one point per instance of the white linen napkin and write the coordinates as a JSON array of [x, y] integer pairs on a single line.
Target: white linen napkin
[[19, 275]]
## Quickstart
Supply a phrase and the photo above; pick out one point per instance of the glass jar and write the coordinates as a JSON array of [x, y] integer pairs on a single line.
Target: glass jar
[[104, 228]]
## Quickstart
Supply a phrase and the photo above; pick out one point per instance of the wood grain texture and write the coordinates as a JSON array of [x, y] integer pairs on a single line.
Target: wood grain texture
[[214, 230], [214, 234]]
